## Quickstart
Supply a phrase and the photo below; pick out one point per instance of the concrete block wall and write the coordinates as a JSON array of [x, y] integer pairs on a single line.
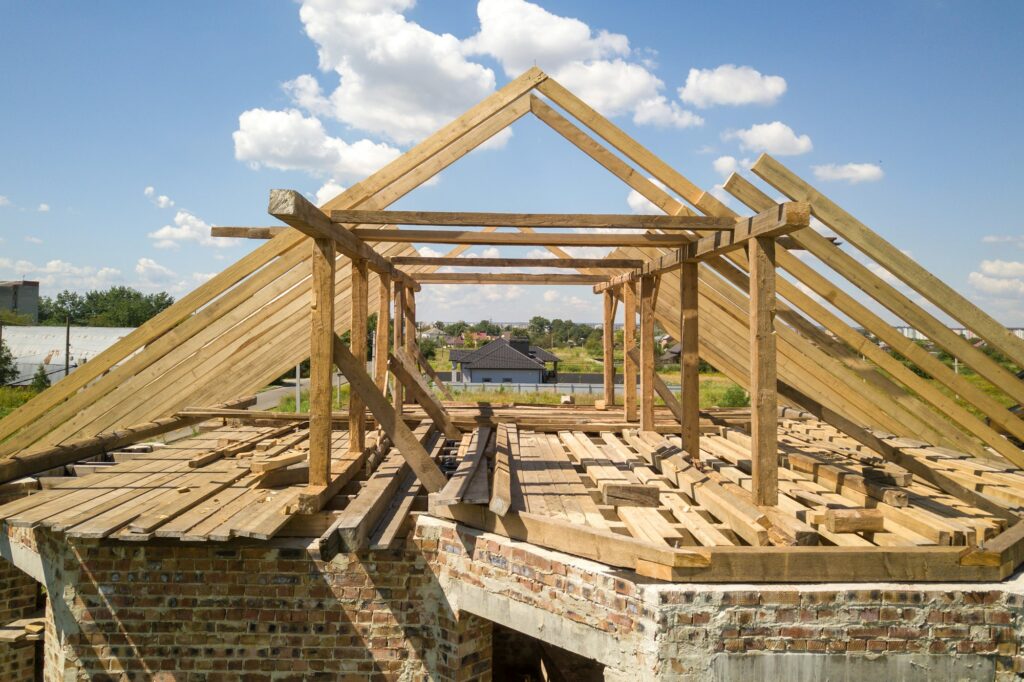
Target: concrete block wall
[[213, 612]]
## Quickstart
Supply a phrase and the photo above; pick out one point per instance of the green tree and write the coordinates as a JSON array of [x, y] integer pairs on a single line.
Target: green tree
[[8, 370], [595, 344], [428, 347], [40, 380], [114, 307]]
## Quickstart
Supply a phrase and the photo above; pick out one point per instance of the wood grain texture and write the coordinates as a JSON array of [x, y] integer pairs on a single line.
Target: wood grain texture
[[321, 364]]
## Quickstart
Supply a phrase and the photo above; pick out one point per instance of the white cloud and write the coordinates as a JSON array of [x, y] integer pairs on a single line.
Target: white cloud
[[43, 208], [999, 287], [550, 295], [397, 79], [187, 228], [658, 111], [287, 140], [159, 200], [852, 173], [731, 85], [328, 191], [33, 240], [640, 205], [727, 165], [428, 252], [149, 269], [718, 192], [1004, 239], [4, 201], [1002, 268], [612, 87], [60, 274], [775, 138]]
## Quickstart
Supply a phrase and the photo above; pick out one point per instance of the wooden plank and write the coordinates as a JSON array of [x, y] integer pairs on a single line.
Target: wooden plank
[[505, 278], [608, 346], [854, 520], [398, 341], [506, 456], [629, 366], [321, 366], [380, 337], [388, 533], [572, 263], [156, 517], [458, 486], [427, 471], [356, 522], [404, 368], [532, 220], [432, 373], [358, 295], [647, 372], [370, 234], [763, 397], [689, 361]]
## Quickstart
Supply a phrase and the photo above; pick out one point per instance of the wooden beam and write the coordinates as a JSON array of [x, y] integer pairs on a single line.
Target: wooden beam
[[404, 368], [532, 220], [609, 348], [460, 487], [321, 362], [647, 286], [246, 232], [398, 341], [506, 459], [629, 343], [381, 333], [432, 373], [426, 470], [358, 299], [292, 208], [516, 238], [573, 263], [504, 278], [689, 361], [763, 397]]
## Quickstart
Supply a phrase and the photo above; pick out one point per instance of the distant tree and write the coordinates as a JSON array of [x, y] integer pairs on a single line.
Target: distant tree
[[14, 319], [439, 325], [40, 381], [8, 370], [487, 327], [455, 328], [537, 325], [114, 307], [595, 344], [428, 347]]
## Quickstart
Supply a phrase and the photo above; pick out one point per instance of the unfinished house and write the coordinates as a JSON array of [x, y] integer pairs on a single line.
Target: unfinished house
[[861, 519]]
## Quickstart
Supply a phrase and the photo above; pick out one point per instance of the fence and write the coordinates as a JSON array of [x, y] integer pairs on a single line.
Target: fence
[[559, 388]]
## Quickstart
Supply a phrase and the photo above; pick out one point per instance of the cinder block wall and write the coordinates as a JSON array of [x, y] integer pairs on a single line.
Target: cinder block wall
[[214, 612], [18, 598]]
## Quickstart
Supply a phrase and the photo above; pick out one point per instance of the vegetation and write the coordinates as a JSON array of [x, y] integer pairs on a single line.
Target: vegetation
[[13, 397], [114, 307], [8, 370], [287, 403], [40, 380]]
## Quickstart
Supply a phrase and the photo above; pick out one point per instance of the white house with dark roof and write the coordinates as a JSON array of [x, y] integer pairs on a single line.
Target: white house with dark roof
[[512, 361]]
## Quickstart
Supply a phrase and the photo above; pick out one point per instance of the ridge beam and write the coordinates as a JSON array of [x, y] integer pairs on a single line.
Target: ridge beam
[[504, 278]]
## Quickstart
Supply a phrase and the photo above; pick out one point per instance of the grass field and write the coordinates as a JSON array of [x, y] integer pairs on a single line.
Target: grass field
[[12, 398]]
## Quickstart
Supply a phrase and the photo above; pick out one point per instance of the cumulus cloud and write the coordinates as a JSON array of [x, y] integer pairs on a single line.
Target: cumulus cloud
[[775, 138], [550, 295], [187, 228], [1002, 268], [658, 111], [328, 191], [159, 200], [852, 173], [150, 270], [288, 140], [731, 85], [33, 240], [396, 78], [727, 165], [4, 201], [997, 286], [1004, 239], [60, 274], [43, 208]]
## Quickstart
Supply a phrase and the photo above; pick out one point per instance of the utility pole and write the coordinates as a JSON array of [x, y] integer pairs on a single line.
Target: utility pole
[[298, 388], [67, 345]]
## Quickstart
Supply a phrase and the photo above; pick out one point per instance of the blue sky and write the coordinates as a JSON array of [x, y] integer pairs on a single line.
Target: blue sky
[[213, 104]]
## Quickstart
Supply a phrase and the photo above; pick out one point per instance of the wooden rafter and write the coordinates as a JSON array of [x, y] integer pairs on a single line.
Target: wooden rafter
[[504, 278], [519, 262], [514, 238], [532, 220]]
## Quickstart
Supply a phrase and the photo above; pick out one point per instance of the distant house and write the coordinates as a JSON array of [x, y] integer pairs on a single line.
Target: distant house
[[476, 337], [504, 361], [433, 334], [21, 298], [454, 341]]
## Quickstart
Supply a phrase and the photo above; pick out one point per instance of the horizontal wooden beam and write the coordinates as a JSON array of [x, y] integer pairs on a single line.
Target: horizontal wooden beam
[[292, 208], [246, 232], [504, 278], [774, 222], [535, 220], [573, 263], [517, 238]]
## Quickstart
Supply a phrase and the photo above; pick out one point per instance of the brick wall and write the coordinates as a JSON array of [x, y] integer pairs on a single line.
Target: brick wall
[[212, 612], [18, 598]]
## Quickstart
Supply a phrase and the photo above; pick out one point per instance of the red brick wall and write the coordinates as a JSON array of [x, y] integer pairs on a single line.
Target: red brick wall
[[18, 597], [216, 612]]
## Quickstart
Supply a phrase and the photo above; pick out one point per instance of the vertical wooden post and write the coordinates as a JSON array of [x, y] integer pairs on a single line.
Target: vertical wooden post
[[398, 340], [410, 322], [647, 285], [609, 348], [380, 339], [628, 344], [763, 391], [321, 362], [689, 360], [358, 296]]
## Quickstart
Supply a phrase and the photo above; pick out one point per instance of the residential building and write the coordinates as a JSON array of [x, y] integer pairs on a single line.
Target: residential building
[[21, 297], [504, 361]]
